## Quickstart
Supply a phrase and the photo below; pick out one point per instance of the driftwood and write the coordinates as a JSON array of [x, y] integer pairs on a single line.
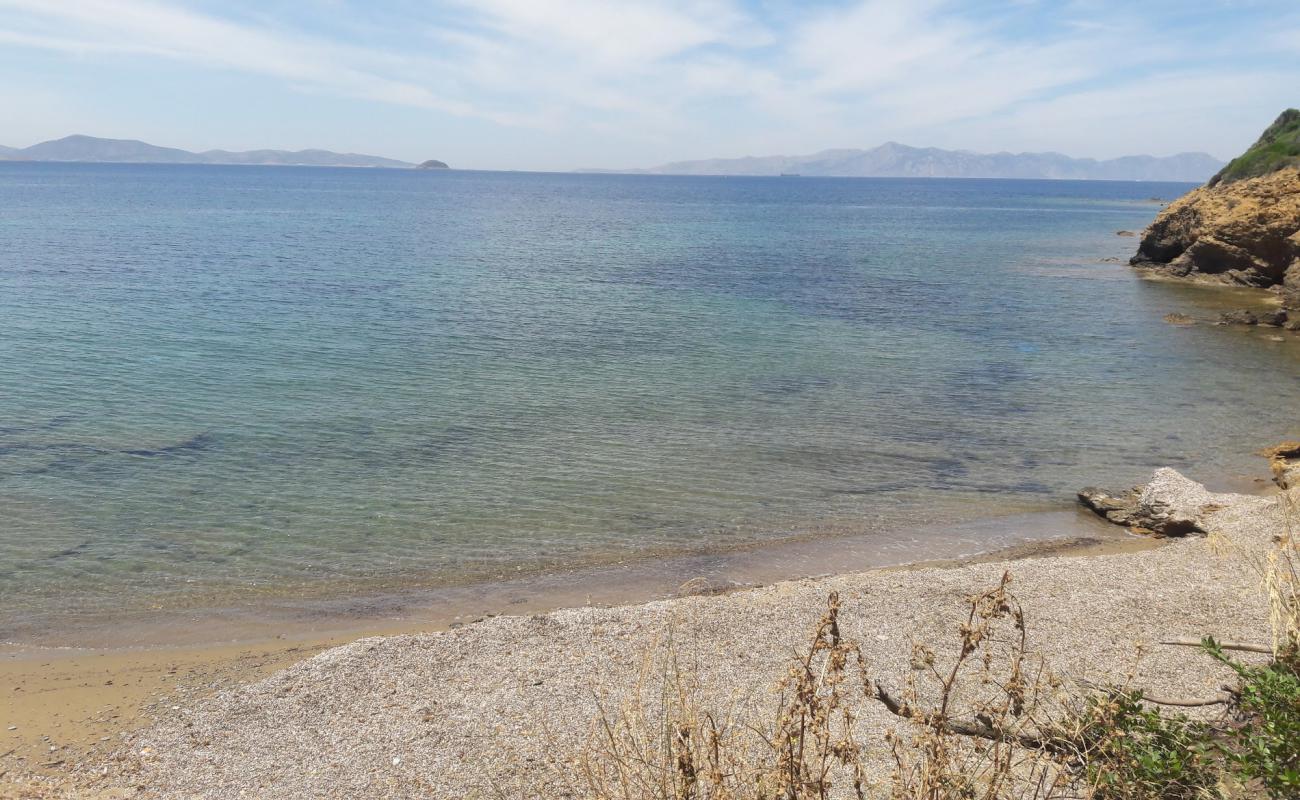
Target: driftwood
[[1170, 701], [980, 730], [972, 728], [1248, 647]]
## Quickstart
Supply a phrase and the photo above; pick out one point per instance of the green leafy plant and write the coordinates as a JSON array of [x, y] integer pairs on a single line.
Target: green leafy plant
[[1130, 751], [1278, 147], [1264, 746]]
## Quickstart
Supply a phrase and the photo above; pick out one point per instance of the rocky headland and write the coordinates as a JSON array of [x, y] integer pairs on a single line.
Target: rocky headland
[[1241, 228]]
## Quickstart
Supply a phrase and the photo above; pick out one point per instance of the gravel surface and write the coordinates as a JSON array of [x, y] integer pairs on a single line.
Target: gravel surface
[[496, 709]]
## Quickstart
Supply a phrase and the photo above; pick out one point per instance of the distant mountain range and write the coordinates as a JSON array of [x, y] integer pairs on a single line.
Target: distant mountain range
[[90, 148], [890, 160], [893, 160]]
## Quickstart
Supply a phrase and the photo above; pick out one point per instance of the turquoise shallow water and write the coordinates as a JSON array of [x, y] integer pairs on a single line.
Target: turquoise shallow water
[[224, 383]]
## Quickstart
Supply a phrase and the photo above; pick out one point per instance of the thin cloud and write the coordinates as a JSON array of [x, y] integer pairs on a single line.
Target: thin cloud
[[135, 28], [688, 79]]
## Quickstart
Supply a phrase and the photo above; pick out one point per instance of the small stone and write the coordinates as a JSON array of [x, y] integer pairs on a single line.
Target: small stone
[[13, 727], [396, 760]]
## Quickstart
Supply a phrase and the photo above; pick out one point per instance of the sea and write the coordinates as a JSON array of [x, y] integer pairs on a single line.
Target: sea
[[231, 390]]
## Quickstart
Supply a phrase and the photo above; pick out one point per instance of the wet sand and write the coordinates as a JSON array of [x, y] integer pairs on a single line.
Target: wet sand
[[60, 705]]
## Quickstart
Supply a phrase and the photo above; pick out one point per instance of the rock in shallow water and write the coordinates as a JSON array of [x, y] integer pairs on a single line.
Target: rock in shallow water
[[1274, 317], [1242, 317], [1284, 461], [1115, 508]]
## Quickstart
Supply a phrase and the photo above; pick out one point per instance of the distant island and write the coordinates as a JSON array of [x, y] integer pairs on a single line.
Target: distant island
[[132, 151], [893, 160], [432, 163]]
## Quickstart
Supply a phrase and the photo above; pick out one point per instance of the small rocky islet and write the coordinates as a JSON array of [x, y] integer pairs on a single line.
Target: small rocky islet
[[1241, 228]]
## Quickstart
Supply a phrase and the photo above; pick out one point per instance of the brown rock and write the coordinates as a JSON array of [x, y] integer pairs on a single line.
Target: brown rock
[[1291, 280], [1242, 317], [1118, 509], [1284, 461], [1179, 319], [1276, 317], [1246, 232]]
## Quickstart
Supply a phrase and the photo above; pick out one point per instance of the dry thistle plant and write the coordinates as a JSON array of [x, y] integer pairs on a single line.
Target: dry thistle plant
[[814, 730], [980, 725], [665, 743], [986, 722], [979, 729]]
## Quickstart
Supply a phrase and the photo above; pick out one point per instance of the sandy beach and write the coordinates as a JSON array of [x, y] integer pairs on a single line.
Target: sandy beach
[[502, 707]]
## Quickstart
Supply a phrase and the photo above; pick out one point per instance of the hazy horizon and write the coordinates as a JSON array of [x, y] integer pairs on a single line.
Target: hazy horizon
[[5, 146], [506, 84]]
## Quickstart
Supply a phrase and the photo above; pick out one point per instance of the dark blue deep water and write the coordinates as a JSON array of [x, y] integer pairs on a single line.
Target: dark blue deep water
[[217, 382]]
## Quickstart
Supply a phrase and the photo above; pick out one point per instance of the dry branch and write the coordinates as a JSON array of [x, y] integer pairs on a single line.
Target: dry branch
[[971, 728], [1248, 647]]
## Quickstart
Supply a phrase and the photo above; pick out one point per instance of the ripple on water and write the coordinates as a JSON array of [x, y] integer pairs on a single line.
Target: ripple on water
[[234, 388]]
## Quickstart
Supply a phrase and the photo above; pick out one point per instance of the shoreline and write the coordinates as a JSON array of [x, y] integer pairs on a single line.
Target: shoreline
[[504, 705], [84, 701], [635, 576], [639, 576]]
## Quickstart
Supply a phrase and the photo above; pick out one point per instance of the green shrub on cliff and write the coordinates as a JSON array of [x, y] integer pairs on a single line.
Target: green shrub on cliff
[[1278, 147]]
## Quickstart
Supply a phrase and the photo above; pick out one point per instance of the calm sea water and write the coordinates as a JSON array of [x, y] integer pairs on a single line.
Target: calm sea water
[[222, 383]]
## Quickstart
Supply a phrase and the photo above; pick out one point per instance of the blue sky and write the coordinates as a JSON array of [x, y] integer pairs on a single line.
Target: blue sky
[[558, 84]]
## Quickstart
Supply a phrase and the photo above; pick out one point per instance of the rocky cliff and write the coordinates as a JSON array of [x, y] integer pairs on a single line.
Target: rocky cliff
[[1241, 230]]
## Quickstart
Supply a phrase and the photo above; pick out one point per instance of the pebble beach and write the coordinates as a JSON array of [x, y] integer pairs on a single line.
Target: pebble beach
[[504, 707]]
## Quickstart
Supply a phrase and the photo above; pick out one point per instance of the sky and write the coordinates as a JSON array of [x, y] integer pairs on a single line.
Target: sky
[[563, 84]]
